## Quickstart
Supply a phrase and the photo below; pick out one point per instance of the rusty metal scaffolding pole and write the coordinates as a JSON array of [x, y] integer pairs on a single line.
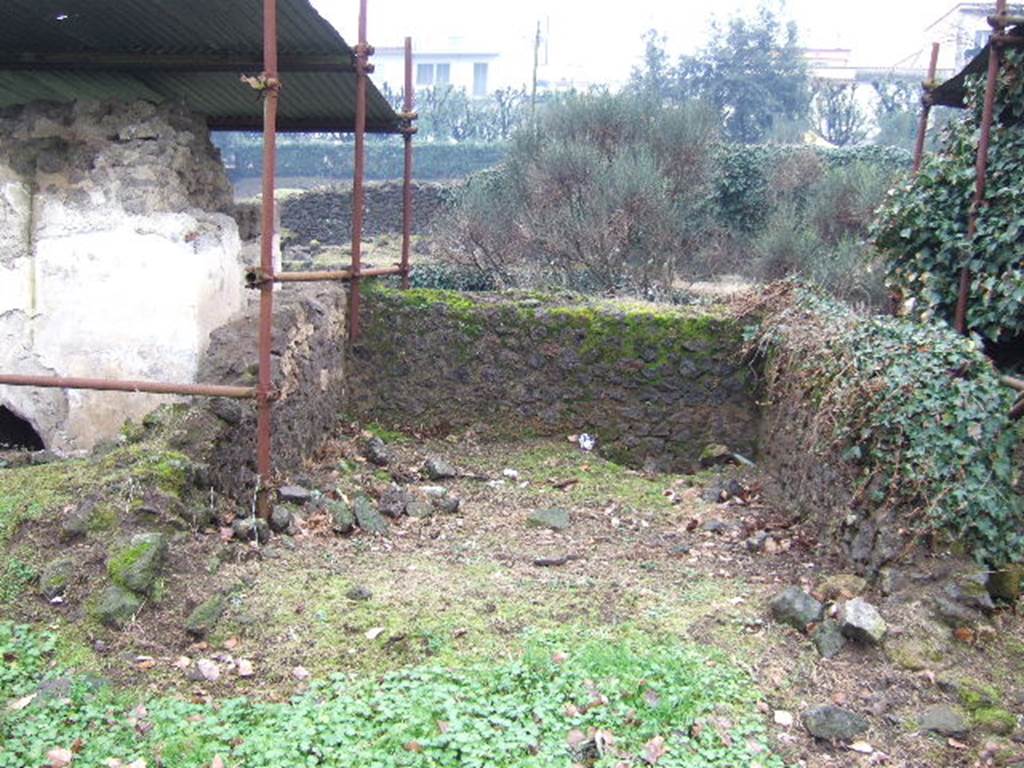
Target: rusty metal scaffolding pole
[[127, 385], [264, 390], [926, 108], [363, 68], [981, 163], [407, 134]]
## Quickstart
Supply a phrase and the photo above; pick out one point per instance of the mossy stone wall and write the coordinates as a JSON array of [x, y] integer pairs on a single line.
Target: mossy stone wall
[[653, 384]]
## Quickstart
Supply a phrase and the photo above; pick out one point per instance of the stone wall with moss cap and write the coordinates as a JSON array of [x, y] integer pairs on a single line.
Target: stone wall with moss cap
[[653, 384]]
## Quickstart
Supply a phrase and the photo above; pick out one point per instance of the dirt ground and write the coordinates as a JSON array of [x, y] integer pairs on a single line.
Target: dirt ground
[[643, 555]]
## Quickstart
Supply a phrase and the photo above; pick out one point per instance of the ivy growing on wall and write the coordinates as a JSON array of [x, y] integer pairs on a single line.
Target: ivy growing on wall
[[915, 408], [922, 226]]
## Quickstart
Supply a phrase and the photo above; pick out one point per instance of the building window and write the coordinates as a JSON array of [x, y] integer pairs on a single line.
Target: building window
[[480, 78], [433, 74]]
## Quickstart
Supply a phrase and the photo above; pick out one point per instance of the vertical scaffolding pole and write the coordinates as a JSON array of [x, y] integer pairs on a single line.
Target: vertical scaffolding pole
[[926, 108], [362, 69], [407, 133], [264, 388], [981, 164]]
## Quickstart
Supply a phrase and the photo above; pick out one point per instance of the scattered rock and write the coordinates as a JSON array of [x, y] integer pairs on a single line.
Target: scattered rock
[[367, 516], [419, 509], [715, 526], [436, 468], [342, 518], [945, 720], [359, 593], [680, 549], [205, 617], [716, 454], [757, 542], [294, 494], [447, 505], [841, 586], [783, 718], [828, 639], [281, 519], [53, 690], [244, 668], [393, 502], [796, 608], [250, 529], [964, 600], [209, 670], [376, 452], [76, 523], [1005, 584], [116, 607], [56, 576], [860, 621], [555, 519], [137, 565], [834, 723]]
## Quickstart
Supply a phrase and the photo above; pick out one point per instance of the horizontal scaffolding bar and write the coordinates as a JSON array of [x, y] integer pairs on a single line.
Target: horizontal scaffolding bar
[[339, 275], [115, 385], [163, 62]]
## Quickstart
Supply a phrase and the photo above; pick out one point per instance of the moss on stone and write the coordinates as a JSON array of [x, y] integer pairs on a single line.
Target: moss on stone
[[115, 607], [137, 565], [994, 720], [975, 694], [205, 617]]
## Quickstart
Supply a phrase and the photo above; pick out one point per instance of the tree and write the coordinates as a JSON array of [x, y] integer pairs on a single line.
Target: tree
[[656, 78], [838, 116], [752, 72], [899, 105]]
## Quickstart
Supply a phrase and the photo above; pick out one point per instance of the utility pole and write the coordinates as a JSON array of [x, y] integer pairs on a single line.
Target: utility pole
[[533, 92]]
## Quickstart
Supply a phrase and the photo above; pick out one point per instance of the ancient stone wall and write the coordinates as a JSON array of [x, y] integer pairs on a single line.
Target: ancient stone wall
[[654, 385], [326, 215], [117, 257], [308, 371]]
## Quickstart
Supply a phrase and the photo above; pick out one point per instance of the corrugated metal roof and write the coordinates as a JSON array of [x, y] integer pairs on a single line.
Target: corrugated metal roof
[[953, 92], [190, 51]]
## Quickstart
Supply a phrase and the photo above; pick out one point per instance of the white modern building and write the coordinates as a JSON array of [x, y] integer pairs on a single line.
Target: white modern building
[[477, 71]]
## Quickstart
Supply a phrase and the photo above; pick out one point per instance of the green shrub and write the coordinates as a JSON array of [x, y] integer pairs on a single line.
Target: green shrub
[[608, 192], [922, 227], [918, 410]]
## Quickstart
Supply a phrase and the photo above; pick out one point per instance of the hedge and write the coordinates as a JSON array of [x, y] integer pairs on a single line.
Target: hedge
[[332, 159]]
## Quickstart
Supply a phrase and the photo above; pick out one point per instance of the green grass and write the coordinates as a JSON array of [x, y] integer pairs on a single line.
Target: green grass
[[516, 712]]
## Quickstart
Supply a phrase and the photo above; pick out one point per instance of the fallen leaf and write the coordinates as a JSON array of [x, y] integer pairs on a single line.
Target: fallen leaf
[[442, 726], [651, 697], [145, 662], [783, 718], [19, 704], [575, 738], [374, 633], [59, 757], [231, 643], [654, 750], [217, 762], [559, 657], [245, 668], [957, 744], [183, 662], [413, 746], [300, 673], [861, 746]]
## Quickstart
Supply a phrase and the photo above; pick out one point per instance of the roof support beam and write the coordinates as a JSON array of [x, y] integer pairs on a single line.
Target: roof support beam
[[188, 62]]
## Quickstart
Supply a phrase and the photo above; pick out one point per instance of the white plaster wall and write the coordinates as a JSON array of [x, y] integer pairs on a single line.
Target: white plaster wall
[[88, 289]]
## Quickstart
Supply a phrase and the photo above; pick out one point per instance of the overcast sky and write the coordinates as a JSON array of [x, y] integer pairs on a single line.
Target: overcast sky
[[604, 38]]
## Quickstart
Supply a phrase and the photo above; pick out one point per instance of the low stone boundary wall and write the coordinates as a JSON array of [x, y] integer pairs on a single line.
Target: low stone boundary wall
[[654, 385], [326, 215]]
